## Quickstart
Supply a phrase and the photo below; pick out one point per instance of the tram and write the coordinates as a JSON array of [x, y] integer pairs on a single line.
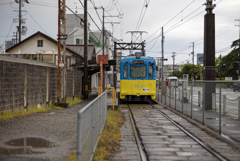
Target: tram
[[137, 78]]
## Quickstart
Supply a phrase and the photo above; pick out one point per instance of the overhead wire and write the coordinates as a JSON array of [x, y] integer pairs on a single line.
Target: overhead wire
[[140, 15], [7, 34], [82, 21], [143, 14], [37, 23], [172, 28], [91, 17], [171, 19], [89, 27]]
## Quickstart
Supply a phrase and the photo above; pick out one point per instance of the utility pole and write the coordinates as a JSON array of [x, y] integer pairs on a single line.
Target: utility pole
[[193, 61], [173, 56], [20, 20], [103, 47], [162, 65], [238, 50], [209, 55], [85, 51], [61, 86]]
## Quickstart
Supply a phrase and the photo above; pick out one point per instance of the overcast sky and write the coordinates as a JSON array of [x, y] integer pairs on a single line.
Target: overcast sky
[[183, 22]]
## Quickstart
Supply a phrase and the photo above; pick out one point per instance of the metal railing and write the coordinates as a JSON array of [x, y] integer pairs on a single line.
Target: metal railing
[[189, 98], [91, 120]]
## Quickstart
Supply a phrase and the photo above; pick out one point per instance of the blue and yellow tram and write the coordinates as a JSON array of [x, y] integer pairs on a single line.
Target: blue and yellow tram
[[137, 78]]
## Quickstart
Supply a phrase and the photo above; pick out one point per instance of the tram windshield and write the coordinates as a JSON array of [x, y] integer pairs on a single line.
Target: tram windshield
[[138, 72]]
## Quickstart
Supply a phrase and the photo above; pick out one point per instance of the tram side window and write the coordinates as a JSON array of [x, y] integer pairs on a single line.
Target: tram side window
[[150, 72], [125, 72]]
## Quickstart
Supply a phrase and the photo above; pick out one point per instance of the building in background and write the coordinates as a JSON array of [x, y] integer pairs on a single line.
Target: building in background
[[75, 29], [168, 69]]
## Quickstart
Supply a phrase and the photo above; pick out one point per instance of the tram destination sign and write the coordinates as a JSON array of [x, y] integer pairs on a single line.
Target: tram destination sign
[[138, 62]]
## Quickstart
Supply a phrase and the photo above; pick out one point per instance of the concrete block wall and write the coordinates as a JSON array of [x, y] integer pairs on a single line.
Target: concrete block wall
[[11, 85], [69, 83], [36, 85], [52, 84], [26, 85]]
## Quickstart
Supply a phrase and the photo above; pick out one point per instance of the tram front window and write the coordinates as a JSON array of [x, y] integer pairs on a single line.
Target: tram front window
[[138, 72]]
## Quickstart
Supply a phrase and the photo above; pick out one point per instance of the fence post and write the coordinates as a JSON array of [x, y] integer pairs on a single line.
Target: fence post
[[191, 98], [25, 86], [203, 104], [175, 96], [47, 87], [213, 101], [182, 98], [224, 105], [199, 98], [79, 135], [165, 90], [220, 108], [238, 107], [179, 93], [170, 93], [73, 83], [92, 129]]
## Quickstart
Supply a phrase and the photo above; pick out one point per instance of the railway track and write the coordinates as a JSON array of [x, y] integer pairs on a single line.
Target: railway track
[[160, 137]]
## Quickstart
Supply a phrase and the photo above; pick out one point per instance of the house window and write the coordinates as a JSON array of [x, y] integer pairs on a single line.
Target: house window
[[79, 41], [40, 43]]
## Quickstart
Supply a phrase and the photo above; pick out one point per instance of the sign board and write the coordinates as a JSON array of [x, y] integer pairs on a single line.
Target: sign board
[[200, 59], [185, 77], [228, 78], [103, 58]]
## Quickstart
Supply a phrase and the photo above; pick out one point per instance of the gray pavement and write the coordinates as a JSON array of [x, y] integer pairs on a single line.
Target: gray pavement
[[45, 136]]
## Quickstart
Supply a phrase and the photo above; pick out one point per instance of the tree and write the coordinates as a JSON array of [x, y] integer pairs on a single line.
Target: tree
[[187, 69], [229, 62]]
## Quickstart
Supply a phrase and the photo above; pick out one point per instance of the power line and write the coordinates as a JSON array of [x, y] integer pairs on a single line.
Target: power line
[[140, 15], [82, 21], [174, 26], [143, 14], [171, 19], [7, 34], [91, 17], [37, 22]]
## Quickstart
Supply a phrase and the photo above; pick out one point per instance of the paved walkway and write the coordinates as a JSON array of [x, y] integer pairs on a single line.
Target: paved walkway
[[44, 136], [230, 125]]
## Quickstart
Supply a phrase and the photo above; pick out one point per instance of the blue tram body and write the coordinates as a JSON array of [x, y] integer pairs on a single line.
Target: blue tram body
[[137, 78]]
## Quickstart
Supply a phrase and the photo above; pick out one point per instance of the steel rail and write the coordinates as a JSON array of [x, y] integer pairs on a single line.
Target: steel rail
[[140, 149], [205, 146]]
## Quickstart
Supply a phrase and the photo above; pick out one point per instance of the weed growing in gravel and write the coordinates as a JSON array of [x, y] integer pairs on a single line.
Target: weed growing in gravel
[[8, 115], [110, 136], [73, 101]]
